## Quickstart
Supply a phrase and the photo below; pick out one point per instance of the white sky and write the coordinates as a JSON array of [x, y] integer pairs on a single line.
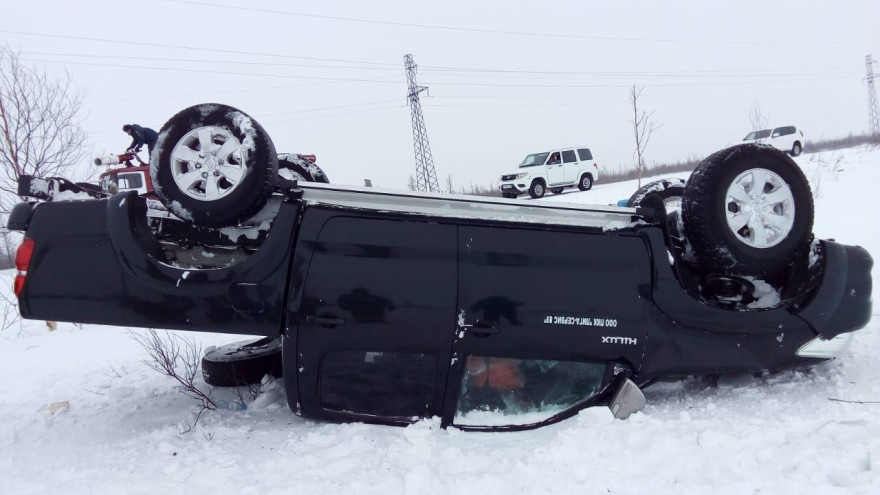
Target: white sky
[[703, 65]]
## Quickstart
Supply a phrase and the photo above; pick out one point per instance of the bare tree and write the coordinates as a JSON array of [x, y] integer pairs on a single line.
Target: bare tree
[[40, 124], [179, 358], [449, 188], [643, 128], [411, 183], [757, 117]]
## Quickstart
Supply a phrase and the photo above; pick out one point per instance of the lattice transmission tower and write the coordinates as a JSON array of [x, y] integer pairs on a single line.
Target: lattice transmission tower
[[873, 111], [426, 176]]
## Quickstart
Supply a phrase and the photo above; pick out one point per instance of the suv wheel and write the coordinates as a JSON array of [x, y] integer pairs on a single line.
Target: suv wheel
[[748, 210], [796, 149], [213, 165], [670, 192], [537, 190], [586, 182], [242, 363], [292, 167]]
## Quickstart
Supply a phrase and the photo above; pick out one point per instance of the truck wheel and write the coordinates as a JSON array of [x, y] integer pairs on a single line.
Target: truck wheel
[[242, 363], [294, 167], [556, 190], [586, 182], [796, 149], [537, 190], [669, 190], [748, 210], [213, 165]]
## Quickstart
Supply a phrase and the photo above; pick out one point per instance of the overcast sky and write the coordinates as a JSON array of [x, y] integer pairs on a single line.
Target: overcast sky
[[506, 78]]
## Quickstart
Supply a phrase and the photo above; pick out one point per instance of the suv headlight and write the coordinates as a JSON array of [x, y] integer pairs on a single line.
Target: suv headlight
[[520, 176]]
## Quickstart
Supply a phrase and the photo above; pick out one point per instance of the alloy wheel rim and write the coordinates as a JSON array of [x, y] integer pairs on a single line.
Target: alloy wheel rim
[[759, 208], [208, 163]]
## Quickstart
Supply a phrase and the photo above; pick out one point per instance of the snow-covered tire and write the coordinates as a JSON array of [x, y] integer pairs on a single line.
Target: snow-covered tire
[[538, 189], [213, 165], [295, 167], [748, 210], [669, 191], [242, 363], [556, 190], [586, 182]]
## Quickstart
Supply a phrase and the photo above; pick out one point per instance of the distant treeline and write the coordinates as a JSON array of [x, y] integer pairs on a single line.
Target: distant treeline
[[627, 172]]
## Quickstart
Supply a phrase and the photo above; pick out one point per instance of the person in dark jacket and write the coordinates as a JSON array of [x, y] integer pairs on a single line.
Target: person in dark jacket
[[139, 137]]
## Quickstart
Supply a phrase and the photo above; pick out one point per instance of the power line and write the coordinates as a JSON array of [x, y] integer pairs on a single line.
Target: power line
[[706, 73], [206, 71], [436, 83], [184, 47], [201, 61], [508, 32]]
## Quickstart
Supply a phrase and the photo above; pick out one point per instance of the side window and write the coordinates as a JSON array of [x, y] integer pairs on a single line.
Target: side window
[[568, 156], [388, 384], [584, 154], [130, 181], [554, 159], [788, 130], [516, 392]]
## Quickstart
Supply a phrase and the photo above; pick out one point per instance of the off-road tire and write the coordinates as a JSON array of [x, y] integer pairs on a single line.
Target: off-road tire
[[796, 149], [538, 189], [666, 189], [705, 205], [556, 190], [241, 201], [291, 166], [242, 363], [586, 182]]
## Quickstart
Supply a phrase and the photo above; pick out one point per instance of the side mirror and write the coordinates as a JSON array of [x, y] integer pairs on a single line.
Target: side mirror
[[627, 400]]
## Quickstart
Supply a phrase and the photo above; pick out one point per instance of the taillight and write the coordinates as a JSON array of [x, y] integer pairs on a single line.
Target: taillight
[[596, 166], [22, 260]]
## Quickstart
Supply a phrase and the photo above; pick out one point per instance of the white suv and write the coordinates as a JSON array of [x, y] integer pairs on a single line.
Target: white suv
[[554, 170], [788, 139]]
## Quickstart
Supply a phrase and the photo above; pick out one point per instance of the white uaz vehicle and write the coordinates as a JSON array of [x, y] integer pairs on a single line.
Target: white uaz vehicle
[[554, 170], [788, 139]]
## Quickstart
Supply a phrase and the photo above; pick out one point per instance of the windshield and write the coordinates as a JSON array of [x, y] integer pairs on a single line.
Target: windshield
[[536, 159], [757, 135]]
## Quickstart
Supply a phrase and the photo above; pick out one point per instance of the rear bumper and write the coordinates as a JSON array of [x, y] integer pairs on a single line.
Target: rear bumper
[[843, 301]]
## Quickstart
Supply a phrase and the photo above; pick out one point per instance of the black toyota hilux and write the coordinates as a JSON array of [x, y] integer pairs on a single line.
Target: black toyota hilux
[[387, 307]]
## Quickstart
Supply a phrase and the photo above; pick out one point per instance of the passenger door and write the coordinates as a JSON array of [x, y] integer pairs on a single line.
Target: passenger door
[[555, 169], [376, 320], [541, 315], [571, 165]]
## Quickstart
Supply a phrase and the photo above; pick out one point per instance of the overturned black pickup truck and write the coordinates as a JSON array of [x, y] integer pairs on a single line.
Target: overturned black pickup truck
[[387, 307]]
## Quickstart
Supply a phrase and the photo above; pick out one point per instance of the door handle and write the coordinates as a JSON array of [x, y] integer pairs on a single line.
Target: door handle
[[325, 321], [481, 329]]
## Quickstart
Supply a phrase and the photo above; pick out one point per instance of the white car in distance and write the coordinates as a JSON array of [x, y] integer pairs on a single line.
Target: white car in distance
[[788, 139], [554, 170]]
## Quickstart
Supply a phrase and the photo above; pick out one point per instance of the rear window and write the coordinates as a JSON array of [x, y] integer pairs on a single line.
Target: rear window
[[584, 154], [568, 156]]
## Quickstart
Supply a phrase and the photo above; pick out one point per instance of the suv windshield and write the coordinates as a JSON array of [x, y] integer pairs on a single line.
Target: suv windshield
[[536, 159], [757, 135]]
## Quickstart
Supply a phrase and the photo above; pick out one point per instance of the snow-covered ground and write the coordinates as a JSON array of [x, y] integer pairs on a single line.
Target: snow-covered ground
[[116, 424]]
